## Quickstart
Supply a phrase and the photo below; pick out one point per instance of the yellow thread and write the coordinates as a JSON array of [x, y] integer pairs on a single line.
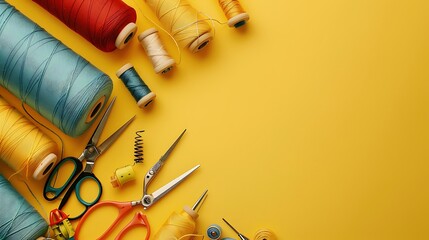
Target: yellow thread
[[184, 23], [265, 234], [24, 147], [234, 12], [178, 227]]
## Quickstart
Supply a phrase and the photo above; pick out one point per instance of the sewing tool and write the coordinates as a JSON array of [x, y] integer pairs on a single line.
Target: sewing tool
[[181, 225], [161, 61], [60, 224], [264, 234], [214, 232], [48, 76], [135, 85], [147, 200], [241, 236], [125, 174], [183, 22], [90, 154], [107, 24], [18, 219], [235, 13], [23, 146]]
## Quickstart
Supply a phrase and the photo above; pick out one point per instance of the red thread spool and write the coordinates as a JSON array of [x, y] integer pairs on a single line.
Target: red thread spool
[[107, 24]]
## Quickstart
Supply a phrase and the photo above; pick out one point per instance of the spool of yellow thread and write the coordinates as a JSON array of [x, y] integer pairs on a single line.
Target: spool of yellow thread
[[264, 234], [183, 22], [181, 225], [122, 176], [234, 12], [24, 147]]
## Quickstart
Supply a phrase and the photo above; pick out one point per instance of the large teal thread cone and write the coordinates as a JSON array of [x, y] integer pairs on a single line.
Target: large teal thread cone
[[48, 76]]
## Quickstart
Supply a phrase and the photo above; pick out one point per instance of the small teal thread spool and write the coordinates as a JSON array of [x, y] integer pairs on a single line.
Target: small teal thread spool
[[214, 231], [137, 87]]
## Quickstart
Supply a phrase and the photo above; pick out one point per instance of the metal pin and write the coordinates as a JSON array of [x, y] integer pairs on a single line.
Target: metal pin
[[199, 201], [241, 236]]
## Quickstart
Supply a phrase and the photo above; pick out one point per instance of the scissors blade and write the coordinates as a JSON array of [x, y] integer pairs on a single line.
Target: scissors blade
[[97, 133], [112, 138], [158, 194], [170, 149], [157, 166]]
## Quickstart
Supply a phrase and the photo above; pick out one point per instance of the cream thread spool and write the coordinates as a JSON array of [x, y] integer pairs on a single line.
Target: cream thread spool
[[184, 23], [23, 146], [234, 12], [161, 61]]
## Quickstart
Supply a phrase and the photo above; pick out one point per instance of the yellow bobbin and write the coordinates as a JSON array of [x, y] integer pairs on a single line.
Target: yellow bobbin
[[264, 234], [122, 176]]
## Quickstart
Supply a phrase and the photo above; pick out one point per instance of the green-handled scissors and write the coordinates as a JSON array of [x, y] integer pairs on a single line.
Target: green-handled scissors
[[90, 154]]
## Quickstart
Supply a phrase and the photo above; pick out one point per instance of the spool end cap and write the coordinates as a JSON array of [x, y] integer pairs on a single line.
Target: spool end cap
[[146, 33], [191, 212], [165, 67], [238, 20], [123, 69], [45, 166], [201, 42], [126, 34], [146, 100]]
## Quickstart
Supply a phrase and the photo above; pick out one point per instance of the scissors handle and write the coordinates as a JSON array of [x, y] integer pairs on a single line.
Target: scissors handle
[[76, 187], [50, 192], [139, 219], [123, 208]]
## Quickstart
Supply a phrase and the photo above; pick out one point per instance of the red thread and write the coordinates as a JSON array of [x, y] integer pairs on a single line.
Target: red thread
[[99, 21]]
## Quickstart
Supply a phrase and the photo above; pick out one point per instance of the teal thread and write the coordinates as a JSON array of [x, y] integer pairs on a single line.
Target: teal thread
[[47, 75]]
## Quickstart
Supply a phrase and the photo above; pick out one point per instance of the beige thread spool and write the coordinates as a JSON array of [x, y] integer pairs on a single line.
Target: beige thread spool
[[161, 61], [24, 147]]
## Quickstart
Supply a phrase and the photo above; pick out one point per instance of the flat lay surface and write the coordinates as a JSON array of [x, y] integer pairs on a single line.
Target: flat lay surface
[[312, 120]]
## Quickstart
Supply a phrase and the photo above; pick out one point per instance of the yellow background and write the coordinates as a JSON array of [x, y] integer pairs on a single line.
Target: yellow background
[[312, 120]]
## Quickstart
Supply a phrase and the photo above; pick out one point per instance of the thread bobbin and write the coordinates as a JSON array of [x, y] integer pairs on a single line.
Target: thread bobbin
[[166, 64], [122, 176], [214, 232], [143, 99], [126, 34]]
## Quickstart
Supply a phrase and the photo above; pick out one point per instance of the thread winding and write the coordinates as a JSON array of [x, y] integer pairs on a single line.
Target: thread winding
[[18, 219], [235, 13], [177, 226], [135, 85], [161, 61], [24, 147], [188, 27], [107, 24], [42, 72], [264, 234]]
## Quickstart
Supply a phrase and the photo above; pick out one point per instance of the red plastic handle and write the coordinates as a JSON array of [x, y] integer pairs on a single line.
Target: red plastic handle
[[123, 208], [139, 219]]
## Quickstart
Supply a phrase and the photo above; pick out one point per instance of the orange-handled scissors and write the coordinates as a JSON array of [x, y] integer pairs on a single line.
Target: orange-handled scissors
[[147, 199]]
